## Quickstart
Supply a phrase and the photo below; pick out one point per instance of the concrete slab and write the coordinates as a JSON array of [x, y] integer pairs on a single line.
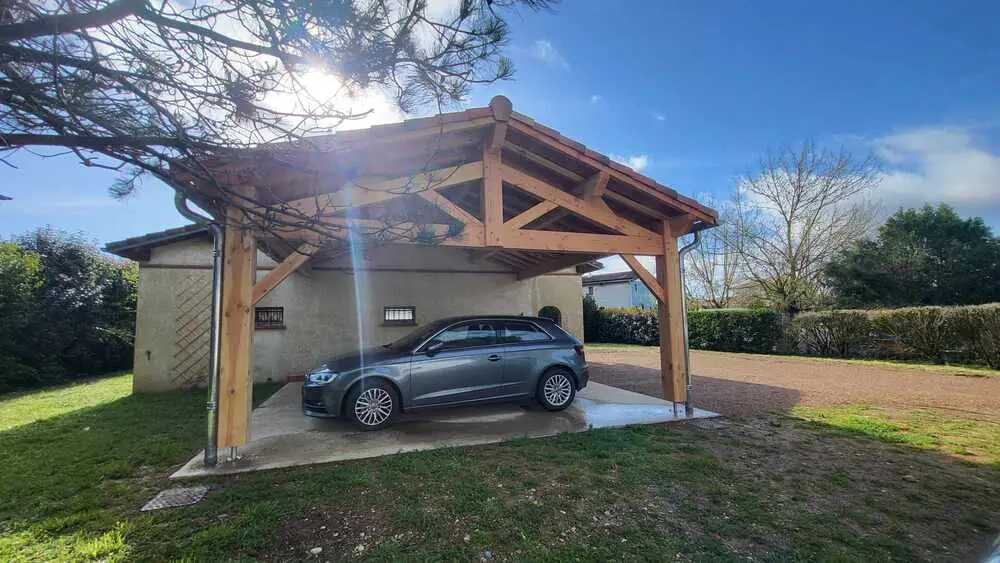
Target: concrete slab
[[284, 437]]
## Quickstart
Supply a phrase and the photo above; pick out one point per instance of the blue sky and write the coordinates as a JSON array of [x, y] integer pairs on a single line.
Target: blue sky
[[693, 93]]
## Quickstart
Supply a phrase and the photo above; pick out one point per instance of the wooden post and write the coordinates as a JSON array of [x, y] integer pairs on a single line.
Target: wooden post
[[239, 266], [671, 318], [492, 173]]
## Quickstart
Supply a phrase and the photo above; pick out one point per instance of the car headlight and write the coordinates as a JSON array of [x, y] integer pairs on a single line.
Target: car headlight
[[321, 376]]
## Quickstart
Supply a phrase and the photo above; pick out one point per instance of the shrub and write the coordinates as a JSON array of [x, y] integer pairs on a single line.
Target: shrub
[[921, 332], [840, 334], [735, 330], [67, 310], [630, 326], [978, 329]]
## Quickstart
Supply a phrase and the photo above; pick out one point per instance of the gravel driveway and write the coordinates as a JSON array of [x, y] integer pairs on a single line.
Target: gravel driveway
[[740, 385]]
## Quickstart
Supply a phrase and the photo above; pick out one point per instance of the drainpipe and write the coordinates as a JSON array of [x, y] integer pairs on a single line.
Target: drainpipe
[[688, 405], [212, 442]]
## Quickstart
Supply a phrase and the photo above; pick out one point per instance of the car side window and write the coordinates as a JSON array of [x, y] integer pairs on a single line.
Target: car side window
[[466, 335], [520, 331]]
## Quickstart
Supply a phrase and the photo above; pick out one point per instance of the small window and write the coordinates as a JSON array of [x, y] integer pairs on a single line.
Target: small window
[[400, 316], [517, 331], [467, 335], [265, 318]]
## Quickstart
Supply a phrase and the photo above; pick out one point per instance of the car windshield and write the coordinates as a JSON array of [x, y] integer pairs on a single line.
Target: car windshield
[[414, 338]]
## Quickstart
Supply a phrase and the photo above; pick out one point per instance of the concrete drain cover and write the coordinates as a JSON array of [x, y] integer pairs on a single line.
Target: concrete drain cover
[[171, 498]]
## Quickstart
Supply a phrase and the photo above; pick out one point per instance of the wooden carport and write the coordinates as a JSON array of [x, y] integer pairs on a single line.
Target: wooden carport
[[487, 179]]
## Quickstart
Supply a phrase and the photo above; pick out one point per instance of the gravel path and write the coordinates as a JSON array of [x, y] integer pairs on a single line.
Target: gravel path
[[744, 384]]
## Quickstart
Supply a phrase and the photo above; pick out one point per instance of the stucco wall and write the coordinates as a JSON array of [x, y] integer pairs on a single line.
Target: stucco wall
[[333, 309]]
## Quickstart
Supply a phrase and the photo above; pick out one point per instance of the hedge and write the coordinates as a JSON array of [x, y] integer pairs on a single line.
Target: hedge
[[969, 334], [735, 330]]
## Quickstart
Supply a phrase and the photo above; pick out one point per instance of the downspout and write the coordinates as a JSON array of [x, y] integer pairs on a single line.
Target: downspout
[[212, 441], [688, 405]]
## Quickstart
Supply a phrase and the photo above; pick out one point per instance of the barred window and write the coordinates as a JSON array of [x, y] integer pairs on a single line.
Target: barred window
[[269, 317], [400, 316]]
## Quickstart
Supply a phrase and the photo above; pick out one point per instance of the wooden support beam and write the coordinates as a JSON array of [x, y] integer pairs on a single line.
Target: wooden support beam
[[554, 265], [671, 318], [557, 241], [239, 267], [404, 232], [492, 194], [492, 173], [634, 206], [291, 263], [595, 186], [601, 216], [469, 220], [647, 278], [543, 162], [527, 216], [366, 191]]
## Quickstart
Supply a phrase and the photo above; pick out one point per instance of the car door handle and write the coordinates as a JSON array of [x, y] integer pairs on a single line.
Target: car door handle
[[494, 358]]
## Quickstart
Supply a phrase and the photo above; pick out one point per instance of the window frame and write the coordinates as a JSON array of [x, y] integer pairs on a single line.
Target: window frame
[[422, 349], [269, 324], [388, 322], [501, 328]]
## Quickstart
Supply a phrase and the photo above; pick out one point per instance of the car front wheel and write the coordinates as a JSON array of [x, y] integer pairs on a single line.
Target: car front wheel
[[372, 405], [556, 389]]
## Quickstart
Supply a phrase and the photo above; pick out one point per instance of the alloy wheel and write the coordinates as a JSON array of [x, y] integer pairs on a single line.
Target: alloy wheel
[[373, 406], [557, 390]]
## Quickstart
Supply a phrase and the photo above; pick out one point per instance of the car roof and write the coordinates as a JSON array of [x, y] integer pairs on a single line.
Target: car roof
[[491, 318]]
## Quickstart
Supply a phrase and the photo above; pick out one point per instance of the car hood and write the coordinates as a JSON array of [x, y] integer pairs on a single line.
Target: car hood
[[367, 357]]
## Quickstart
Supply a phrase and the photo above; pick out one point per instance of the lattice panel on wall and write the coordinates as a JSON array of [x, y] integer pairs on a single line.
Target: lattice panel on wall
[[193, 317]]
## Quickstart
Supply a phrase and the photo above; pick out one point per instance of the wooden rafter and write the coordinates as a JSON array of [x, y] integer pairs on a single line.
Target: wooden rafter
[[572, 203], [531, 214], [549, 266], [456, 212], [589, 158], [647, 278], [366, 191], [290, 264]]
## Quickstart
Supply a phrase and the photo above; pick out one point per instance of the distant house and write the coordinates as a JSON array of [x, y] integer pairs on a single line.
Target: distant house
[[619, 289]]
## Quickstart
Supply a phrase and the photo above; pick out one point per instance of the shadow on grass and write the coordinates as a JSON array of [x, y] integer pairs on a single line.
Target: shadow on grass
[[69, 480]]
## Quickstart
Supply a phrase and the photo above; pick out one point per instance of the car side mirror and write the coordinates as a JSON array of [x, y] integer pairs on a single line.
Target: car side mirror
[[433, 348]]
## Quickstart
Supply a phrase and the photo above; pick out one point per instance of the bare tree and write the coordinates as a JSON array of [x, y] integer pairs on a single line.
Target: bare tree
[[795, 213], [713, 268], [153, 87]]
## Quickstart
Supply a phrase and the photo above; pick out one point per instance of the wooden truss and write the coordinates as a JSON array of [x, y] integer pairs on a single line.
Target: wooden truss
[[510, 189]]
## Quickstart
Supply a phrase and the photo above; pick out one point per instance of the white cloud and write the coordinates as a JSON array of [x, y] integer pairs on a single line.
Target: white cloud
[[545, 51], [659, 116], [939, 164], [596, 99], [636, 161]]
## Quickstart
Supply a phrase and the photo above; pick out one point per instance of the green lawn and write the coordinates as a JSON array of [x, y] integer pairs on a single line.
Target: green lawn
[[951, 369], [80, 460]]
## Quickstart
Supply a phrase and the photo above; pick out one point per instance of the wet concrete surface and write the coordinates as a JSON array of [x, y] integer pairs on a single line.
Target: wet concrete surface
[[284, 437]]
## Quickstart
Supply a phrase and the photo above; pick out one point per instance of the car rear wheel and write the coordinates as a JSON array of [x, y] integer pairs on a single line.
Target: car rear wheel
[[372, 405], [556, 389]]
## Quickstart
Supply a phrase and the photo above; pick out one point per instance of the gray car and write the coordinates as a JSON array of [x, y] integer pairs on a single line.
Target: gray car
[[450, 362]]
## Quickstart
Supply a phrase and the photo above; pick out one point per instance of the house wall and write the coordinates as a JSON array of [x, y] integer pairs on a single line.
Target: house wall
[[612, 294], [621, 294], [331, 309]]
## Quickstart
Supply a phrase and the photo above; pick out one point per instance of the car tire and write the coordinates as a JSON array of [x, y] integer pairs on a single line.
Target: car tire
[[556, 389], [372, 404]]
